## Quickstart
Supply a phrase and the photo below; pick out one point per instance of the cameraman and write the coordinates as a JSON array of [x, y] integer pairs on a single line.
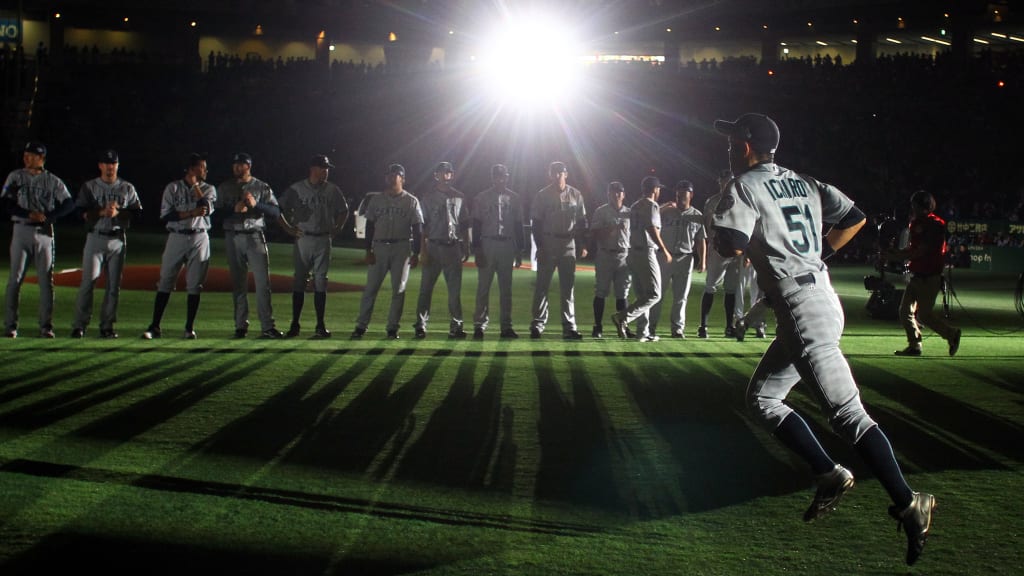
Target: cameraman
[[927, 255]]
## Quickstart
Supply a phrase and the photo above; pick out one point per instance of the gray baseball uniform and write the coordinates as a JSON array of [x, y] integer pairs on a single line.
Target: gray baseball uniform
[[445, 222], [611, 272], [497, 230], [682, 232], [643, 263], [188, 241], [23, 193], [105, 247], [557, 216], [721, 271], [313, 209], [782, 213], [393, 217], [246, 247]]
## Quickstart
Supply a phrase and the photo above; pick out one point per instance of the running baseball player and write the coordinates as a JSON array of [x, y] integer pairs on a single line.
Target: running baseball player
[[497, 220], [35, 198], [722, 272], [245, 203], [313, 210], [927, 255], [644, 244], [682, 230], [558, 217], [107, 204], [185, 209], [445, 247], [609, 227], [393, 218], [776, 216]]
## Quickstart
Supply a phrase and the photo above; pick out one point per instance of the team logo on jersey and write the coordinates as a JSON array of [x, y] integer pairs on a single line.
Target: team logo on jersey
[[725, 204]]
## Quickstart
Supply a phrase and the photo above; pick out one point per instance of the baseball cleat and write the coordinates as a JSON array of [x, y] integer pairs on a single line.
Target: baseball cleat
[[293, 330], [648, 338], [78, 333], [535, 333], [761, 330], [620, 325], [357, 333], [47, 333], [954, 342], [740, 330], [420, 333], [908, 351], [702, 332], [596, 332], [240, 333], [679, 334], [457, 334], [915, 521], [509, 334], [478, 333], [109, 334], [151, 333], [190, 335], [730, 332], [271, 334], [831, 487], [11, 334], [321, 333], [572, 335], [392, 334]]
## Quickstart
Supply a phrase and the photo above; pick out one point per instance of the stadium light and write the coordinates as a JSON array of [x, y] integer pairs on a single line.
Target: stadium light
[[530, 60]]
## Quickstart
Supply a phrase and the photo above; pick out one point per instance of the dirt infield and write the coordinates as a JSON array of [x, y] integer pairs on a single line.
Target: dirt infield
[[217, 280]]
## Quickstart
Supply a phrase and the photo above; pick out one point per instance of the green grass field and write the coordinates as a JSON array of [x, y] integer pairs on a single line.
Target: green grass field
[[494, 457]]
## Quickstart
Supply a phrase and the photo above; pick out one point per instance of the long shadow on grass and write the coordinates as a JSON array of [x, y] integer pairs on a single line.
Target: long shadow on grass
[[350, 439], [459, 441], [75, 553], [700, 414], [55, 408], [575, 461], [266, 431], [937, 432], [17, 384]]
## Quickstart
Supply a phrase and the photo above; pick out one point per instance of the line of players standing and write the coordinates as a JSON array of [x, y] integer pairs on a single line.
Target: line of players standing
[[647, 247]]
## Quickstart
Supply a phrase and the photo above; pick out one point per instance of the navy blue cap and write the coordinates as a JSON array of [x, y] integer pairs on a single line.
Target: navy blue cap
[[499, 171], [650, 183], [320, 161], [396, 169], [241, 158], [759, 130], [36, 148], [684, 185], [616, 186], [444, 167], [109, 157]]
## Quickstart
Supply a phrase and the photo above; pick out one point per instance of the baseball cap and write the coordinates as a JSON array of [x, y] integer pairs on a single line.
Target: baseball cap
[[396, 169], [108, 157], [684, 185], [616, 186], [241, 158], [320, 161], [557, 168], [499, 171], [759, 130], [650, 183], [194, 159], [444, 167], [35, 148]]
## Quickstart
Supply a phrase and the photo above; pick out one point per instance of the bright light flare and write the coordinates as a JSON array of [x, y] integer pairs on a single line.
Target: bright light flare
[[531, 61]]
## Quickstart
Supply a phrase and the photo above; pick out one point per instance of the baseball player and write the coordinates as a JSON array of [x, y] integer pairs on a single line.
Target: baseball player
[[35, 198], [758, 306], [682, 230], [313, 210], [393, 217], [609, 228], [776, 216], [927, 255], [445, 248], [644, 243], [497, 219], [185, 209], [245, 203], [558, 216], [722, 272], [107, 205]]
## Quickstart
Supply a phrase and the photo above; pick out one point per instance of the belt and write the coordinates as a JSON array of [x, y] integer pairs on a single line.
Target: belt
[[190, 231], [443, 242], [644, 247], [32, 224], [315, 234], [391, 240], [110, 234], [615, 251], [501, 238]]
